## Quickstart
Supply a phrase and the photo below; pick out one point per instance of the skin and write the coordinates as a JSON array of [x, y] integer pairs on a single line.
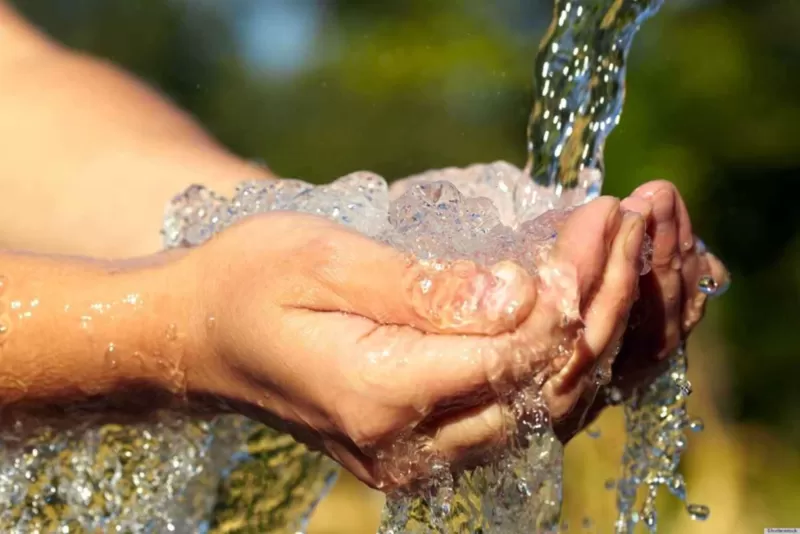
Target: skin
[[310, 332]]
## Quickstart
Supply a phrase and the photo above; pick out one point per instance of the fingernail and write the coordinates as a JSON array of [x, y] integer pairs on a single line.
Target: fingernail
[[635, 235]]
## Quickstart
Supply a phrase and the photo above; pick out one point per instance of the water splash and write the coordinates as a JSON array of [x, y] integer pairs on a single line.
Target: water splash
[[656, 421]]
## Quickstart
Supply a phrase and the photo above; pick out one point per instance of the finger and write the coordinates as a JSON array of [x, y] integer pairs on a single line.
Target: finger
[[666, 259], [694, 265], [471, 435], [360, 276], [582, 245], [638, 205], [445, 371], [607, 313], [664, 225], [611, 305], [685, 230]]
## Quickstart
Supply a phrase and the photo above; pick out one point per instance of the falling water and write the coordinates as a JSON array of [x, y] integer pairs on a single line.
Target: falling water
[[579, 84]]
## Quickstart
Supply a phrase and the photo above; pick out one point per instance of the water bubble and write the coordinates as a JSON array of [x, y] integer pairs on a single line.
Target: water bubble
[[649, 519], [697, 425], [614, 396], [603, 372], [172, 332], [111, 356], [700, 246], [707, 285], [698, 512]]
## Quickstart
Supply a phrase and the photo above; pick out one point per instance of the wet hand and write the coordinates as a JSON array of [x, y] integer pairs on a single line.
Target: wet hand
[[673, 295], [350, 345]]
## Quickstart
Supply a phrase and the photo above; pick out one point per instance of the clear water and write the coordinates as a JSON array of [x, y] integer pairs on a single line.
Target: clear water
[[579, 84]]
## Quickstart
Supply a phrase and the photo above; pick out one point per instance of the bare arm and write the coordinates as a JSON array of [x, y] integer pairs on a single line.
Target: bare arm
[[88, 155], [74, 332]]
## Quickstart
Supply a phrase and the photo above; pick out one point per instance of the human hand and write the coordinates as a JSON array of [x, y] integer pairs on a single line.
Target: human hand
[[671, 303], [331, 336]]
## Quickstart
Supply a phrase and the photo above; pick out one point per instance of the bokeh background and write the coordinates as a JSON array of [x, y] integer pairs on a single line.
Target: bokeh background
[[320, 88]]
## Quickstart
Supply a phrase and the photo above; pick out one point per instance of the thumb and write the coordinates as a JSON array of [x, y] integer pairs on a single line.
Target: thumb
[[373, 280]]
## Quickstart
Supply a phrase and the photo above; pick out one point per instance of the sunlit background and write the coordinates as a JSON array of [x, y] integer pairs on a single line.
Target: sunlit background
[[317, 89]]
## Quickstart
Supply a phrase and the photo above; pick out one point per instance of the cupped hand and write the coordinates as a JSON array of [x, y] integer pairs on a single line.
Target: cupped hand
[[670, 304], [353, 347]]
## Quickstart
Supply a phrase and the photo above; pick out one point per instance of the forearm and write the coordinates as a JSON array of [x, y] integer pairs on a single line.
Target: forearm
[[89, 156], [75, 332]]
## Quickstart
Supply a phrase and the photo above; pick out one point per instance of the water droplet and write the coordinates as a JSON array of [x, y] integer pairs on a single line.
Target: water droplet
[[111, 356], [700, 246], [698, 512], [425, 285], [610, 484], [614, 396], [649, 519], [3, 328], [697, 425], [86, 323], [603, 373], [707, 285], [139, 358], [587, 522], [3, 283], [211, 322], [172, 332], [593, 432]]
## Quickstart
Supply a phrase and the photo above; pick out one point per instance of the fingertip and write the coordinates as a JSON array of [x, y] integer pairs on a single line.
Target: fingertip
[[474, 433], [637, 205], [611, 206], [633, 227]]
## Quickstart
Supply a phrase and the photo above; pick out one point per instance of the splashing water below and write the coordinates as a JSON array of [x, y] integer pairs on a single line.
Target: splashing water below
[[233, 475]]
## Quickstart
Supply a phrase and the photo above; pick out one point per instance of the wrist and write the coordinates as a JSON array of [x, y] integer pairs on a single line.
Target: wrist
[[108, 338]]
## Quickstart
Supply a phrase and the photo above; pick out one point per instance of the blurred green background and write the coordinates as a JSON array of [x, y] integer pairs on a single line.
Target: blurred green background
[[320, 88]]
